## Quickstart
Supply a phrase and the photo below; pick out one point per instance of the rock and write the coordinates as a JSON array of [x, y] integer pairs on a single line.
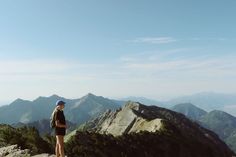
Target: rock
[[13, 151], [126, 120]]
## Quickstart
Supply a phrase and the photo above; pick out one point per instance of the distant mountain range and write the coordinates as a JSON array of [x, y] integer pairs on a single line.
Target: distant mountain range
[[206, 100], [107, 116], [76, 111], [209, 101], [220, 122], [145, 101], [175, 133], [81, 109]]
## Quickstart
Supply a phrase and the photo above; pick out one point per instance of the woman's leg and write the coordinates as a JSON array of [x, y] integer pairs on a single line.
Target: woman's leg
[[61, 145], [57, 147]]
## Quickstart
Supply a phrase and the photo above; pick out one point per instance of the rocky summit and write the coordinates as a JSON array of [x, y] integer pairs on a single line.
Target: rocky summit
[[131, 118]]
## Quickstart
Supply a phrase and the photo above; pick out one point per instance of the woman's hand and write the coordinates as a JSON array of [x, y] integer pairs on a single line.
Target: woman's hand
[[58, 124]]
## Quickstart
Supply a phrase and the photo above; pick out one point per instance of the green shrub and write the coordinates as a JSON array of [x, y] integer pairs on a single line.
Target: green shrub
[[25, 137]]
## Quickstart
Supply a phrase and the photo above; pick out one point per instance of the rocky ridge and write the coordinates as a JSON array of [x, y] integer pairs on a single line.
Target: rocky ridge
[[135, 117]]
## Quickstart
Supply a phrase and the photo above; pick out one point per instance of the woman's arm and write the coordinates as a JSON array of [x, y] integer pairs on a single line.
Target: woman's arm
[[58, 124]]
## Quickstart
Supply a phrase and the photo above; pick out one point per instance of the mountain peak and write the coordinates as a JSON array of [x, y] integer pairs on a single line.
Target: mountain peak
[[90, 95], [189, 110], [55, 96], [19, 101], [132, 105], [187, 106]]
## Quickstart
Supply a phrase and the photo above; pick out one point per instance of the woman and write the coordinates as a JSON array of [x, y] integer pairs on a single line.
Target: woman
[[60, 129]]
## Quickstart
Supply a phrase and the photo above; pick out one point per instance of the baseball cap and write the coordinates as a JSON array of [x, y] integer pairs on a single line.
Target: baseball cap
[[60, 102]]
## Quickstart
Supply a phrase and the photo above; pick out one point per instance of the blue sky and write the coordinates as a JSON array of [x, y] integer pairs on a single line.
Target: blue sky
[[154, 48]]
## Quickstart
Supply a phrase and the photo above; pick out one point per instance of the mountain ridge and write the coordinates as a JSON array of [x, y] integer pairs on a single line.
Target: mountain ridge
[[222, 123], [134, 119]]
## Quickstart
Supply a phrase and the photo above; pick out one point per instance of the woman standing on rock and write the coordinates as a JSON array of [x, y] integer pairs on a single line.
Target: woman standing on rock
[[60, 128]]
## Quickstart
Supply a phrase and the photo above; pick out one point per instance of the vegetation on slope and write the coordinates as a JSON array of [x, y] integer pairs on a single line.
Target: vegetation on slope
[[25, 138], [167, 142]]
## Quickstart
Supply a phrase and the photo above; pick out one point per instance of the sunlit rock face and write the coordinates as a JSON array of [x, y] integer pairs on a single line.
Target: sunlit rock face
[[128, 119]]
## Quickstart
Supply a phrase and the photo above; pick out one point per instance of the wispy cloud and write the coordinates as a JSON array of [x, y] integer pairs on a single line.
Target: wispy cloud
[[167, 40], [128, 67], [209, 39], [154, 40], [15, 67], [204, 67], [152, 56], [133, 74], [46, 70]]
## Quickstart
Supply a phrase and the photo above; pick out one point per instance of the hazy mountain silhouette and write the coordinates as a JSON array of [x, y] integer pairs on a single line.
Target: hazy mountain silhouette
[[77, 110], [208, 101], [220, 122], [189, 110]]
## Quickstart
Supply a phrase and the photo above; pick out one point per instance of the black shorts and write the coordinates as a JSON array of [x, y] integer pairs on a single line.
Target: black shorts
[[60, 131]]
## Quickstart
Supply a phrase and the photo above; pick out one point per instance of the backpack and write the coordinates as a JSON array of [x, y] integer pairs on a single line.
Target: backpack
[[53, 120]]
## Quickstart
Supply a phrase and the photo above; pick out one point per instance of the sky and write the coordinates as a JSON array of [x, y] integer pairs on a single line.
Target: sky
[[158, 49]]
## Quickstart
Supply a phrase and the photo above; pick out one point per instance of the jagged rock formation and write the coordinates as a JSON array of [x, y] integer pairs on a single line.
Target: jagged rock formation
[[126, 120], [135, 118]]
